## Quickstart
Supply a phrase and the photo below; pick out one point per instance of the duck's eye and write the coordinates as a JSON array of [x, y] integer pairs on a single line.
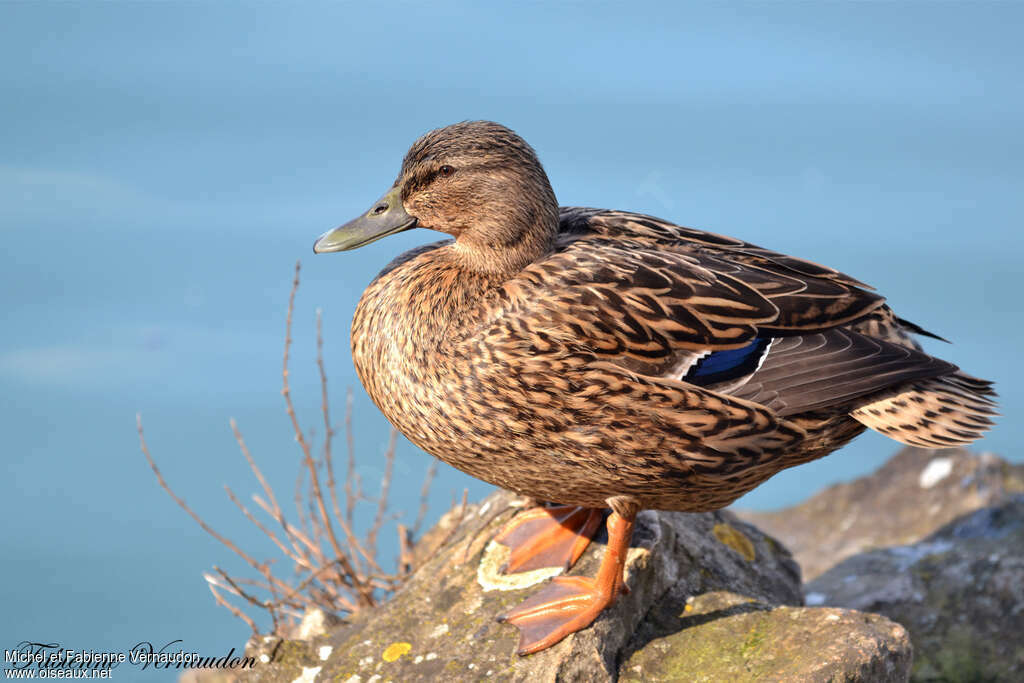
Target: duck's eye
[[446, 171]]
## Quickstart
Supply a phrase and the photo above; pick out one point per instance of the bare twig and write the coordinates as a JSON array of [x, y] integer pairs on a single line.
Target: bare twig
[[325, 408], [385, 487], [237, 590], [252, 465], [404, 549], [234, 610], [421, 514], [293, 532], [298, 558], [297, 601], [300, 501], [268, 605], [352, 488]]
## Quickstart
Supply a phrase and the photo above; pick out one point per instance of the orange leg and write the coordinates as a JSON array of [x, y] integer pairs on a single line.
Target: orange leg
[[571, 603], [549, 537]]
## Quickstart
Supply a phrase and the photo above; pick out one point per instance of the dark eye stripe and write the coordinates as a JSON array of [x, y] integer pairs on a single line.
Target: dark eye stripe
[[421, 178]]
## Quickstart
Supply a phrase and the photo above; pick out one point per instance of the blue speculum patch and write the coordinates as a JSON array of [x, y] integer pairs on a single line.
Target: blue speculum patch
[[720, 366]]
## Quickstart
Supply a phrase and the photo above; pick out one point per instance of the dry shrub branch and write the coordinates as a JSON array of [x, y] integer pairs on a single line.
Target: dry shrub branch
[[332, 568]]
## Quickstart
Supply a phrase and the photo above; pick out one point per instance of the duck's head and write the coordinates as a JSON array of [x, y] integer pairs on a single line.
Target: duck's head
[[477, 181]]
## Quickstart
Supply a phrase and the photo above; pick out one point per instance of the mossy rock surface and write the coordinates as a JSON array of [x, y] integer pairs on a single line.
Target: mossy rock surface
[[722, 636], [711, 568]]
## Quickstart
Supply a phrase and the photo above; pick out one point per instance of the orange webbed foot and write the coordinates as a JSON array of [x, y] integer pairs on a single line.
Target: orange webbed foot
[[549, 537], [570, 603], [565, 605]]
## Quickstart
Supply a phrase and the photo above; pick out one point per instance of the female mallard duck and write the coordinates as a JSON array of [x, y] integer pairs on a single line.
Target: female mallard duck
[[602, 359]]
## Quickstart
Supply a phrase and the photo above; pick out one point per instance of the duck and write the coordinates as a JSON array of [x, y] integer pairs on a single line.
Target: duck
[[602, 362]]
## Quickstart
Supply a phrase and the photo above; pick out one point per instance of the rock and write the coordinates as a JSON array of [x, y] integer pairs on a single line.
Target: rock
[[710, 598], [911, 496], [960, 593], [726, 637]]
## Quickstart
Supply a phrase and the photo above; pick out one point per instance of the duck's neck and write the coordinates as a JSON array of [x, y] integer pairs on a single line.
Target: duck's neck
[[502, 242], [499, 262]]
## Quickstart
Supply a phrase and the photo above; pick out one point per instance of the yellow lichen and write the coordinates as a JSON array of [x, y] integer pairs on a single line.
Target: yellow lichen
[[395, 650], [731, 537]]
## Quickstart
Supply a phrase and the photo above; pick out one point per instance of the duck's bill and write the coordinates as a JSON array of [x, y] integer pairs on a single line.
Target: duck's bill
[[386, 217]]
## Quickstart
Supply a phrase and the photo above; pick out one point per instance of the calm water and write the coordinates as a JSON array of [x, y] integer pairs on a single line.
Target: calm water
[[163, 166]]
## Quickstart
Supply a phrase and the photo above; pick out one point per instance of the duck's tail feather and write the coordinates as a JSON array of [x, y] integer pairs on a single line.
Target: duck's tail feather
[[939, 412]]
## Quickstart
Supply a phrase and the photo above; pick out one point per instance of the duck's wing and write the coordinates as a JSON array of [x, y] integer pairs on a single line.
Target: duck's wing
[[659, 305]]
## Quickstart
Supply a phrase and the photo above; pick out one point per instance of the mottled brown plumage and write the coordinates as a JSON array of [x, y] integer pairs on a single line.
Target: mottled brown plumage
[[604, 358]]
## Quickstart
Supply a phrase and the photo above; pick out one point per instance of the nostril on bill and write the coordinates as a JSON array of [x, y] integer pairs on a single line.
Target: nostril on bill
[[379, 209]]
